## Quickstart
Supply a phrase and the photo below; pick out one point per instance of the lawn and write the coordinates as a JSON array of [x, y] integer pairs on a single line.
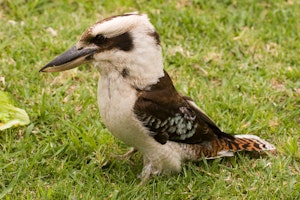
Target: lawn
[[239, 60]]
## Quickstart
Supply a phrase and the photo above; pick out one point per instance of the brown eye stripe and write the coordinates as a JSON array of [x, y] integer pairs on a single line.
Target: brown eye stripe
[[155, 36]]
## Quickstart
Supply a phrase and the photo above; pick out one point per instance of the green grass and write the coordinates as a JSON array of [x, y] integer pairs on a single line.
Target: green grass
[[239, 60]]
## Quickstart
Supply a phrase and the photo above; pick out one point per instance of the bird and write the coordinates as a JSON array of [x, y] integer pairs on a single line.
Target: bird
[[138, 102]]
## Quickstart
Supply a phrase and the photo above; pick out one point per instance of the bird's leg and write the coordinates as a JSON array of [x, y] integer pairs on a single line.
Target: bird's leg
[[125, 156], [148, 170], [145, 175]]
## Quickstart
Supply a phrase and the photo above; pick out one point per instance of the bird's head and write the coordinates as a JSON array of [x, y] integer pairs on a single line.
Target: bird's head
[[127, 44]]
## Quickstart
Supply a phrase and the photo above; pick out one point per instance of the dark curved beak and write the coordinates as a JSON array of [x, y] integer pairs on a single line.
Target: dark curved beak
[[71, 58]]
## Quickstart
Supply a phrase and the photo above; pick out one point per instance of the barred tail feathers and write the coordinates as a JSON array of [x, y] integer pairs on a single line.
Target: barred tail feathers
[[253, 143], [225, 147]]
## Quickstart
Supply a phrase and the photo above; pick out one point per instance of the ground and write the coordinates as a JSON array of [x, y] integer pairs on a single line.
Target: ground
[[239, 60]]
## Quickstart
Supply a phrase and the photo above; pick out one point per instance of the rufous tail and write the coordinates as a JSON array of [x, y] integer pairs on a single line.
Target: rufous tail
[[226, 147]]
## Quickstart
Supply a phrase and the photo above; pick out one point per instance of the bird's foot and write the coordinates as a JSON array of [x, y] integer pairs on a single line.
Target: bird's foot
[[125, 156], [148, 170]]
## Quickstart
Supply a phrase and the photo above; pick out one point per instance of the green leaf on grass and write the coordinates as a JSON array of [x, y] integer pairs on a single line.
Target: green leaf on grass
[[10, 115]]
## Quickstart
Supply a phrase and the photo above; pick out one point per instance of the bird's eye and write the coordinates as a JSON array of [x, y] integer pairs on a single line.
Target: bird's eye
[[99, 39]]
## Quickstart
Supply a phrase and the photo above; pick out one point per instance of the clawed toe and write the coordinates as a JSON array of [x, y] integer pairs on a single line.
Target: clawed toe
[[125, 156], [148, 170]]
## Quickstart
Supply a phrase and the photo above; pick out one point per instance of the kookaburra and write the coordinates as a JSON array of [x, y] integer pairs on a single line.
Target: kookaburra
[[138, 102]]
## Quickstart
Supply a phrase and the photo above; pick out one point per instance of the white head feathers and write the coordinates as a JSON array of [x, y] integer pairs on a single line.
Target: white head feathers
[[118, 25]]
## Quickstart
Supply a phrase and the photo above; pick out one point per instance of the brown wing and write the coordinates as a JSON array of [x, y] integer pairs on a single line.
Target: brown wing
[[171, 116]]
